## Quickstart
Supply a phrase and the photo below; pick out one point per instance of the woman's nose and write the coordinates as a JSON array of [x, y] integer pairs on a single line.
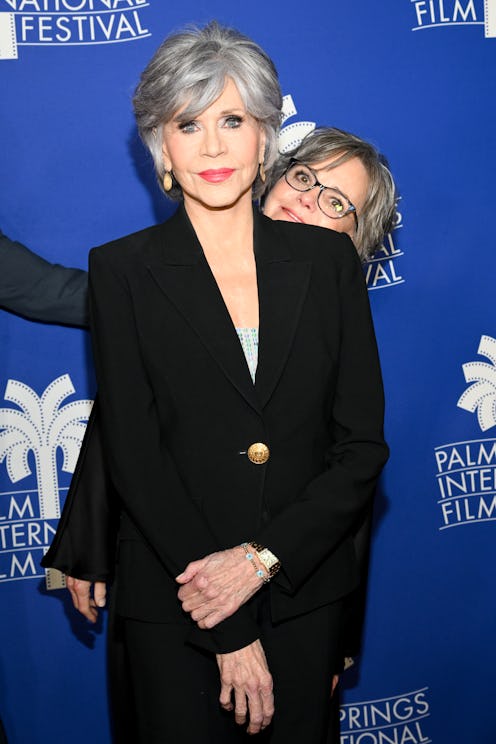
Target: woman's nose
[[213, 144], [308, 199]]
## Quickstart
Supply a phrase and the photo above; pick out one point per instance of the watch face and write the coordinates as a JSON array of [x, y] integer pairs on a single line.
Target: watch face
[[267, 558]]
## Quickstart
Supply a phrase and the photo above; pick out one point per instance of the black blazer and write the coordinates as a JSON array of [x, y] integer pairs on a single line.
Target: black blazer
[[33, 287], [179, 412]]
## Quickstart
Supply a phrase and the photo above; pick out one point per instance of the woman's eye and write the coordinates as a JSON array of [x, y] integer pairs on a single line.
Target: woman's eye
[[303, 177], [188, 127], [233, 121], [337, 205]]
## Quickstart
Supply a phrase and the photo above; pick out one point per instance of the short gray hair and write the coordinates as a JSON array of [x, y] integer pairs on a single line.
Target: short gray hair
[[190, 68], [378, 213]]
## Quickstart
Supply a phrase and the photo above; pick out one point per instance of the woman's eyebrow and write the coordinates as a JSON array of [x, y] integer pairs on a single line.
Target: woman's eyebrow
[[233, 110]]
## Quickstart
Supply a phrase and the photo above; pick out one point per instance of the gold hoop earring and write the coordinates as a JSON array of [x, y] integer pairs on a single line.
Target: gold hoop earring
[[261, 172], [167, 180]]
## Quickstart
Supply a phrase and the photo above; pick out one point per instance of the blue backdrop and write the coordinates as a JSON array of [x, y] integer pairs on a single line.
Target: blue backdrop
[[417, 78]]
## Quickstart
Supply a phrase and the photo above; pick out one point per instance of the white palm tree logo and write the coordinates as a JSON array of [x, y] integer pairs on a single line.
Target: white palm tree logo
[[481, 395], [41, 426], [292, 134]]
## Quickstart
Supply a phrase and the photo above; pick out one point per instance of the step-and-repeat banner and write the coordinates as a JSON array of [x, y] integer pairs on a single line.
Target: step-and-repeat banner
[[417, 78]]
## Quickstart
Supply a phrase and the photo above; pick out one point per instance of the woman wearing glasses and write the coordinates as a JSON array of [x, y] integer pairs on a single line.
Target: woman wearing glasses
[[335, 180]]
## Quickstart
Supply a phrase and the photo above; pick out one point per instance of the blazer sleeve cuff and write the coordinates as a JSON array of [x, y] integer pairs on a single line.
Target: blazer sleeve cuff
[[84, 545], [230, 635]]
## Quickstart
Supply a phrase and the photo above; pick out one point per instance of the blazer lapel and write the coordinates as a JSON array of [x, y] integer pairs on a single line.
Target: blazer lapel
[[282, 287], [180, 269]]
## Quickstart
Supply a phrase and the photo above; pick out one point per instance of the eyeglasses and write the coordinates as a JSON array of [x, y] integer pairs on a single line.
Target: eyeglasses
[[331, 201]]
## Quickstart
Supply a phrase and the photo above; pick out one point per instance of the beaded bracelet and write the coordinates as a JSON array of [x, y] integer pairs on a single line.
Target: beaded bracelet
[[249, 556]]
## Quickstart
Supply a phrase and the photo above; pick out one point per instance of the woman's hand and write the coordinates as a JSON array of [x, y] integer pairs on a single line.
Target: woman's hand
[[246, 673], [214, 587], [82, 600]]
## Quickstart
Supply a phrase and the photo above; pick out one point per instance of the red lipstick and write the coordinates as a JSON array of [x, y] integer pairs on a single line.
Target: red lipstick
[[216, 175]]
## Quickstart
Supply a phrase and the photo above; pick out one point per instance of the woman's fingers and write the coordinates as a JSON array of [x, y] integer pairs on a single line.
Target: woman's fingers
[[212, 619], [267, 697], [246, 672], [190, 571], [211, 613], [259, 705], [225, 696], [222, 582], [257, 717], [100, 593], [82, 600], [240, 706], [194, 593], [80, 592]]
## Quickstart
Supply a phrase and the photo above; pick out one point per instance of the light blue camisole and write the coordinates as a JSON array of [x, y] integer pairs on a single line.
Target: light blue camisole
[[248, 338]]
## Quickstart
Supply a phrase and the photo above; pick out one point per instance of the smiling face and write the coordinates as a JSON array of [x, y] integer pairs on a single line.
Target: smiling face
[[215, 156], [350, 178]]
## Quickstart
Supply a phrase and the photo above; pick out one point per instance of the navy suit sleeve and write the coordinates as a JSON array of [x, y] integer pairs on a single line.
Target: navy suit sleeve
[[40, 290]]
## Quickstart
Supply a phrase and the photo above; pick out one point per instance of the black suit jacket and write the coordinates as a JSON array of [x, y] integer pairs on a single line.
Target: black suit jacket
[[179, 411], [40, 290]]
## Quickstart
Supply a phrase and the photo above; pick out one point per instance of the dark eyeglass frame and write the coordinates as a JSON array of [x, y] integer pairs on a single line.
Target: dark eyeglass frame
[[351, 207]]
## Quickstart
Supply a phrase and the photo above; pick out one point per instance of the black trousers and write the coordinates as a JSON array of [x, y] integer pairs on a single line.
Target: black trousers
[[175, 686]]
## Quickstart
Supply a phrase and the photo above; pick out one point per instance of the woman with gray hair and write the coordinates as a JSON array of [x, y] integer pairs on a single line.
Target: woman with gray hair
[[241, 435]]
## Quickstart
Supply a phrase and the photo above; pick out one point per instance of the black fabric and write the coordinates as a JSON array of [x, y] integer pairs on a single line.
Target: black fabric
[[84, 545], [177, 686], [86, 539], [123, 713], [356, 601], [179, 409]]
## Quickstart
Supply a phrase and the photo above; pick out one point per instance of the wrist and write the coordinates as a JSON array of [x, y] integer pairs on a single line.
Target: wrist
[[251, 556]]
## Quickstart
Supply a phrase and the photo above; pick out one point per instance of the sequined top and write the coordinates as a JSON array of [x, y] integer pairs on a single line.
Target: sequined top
[[248, 338]]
